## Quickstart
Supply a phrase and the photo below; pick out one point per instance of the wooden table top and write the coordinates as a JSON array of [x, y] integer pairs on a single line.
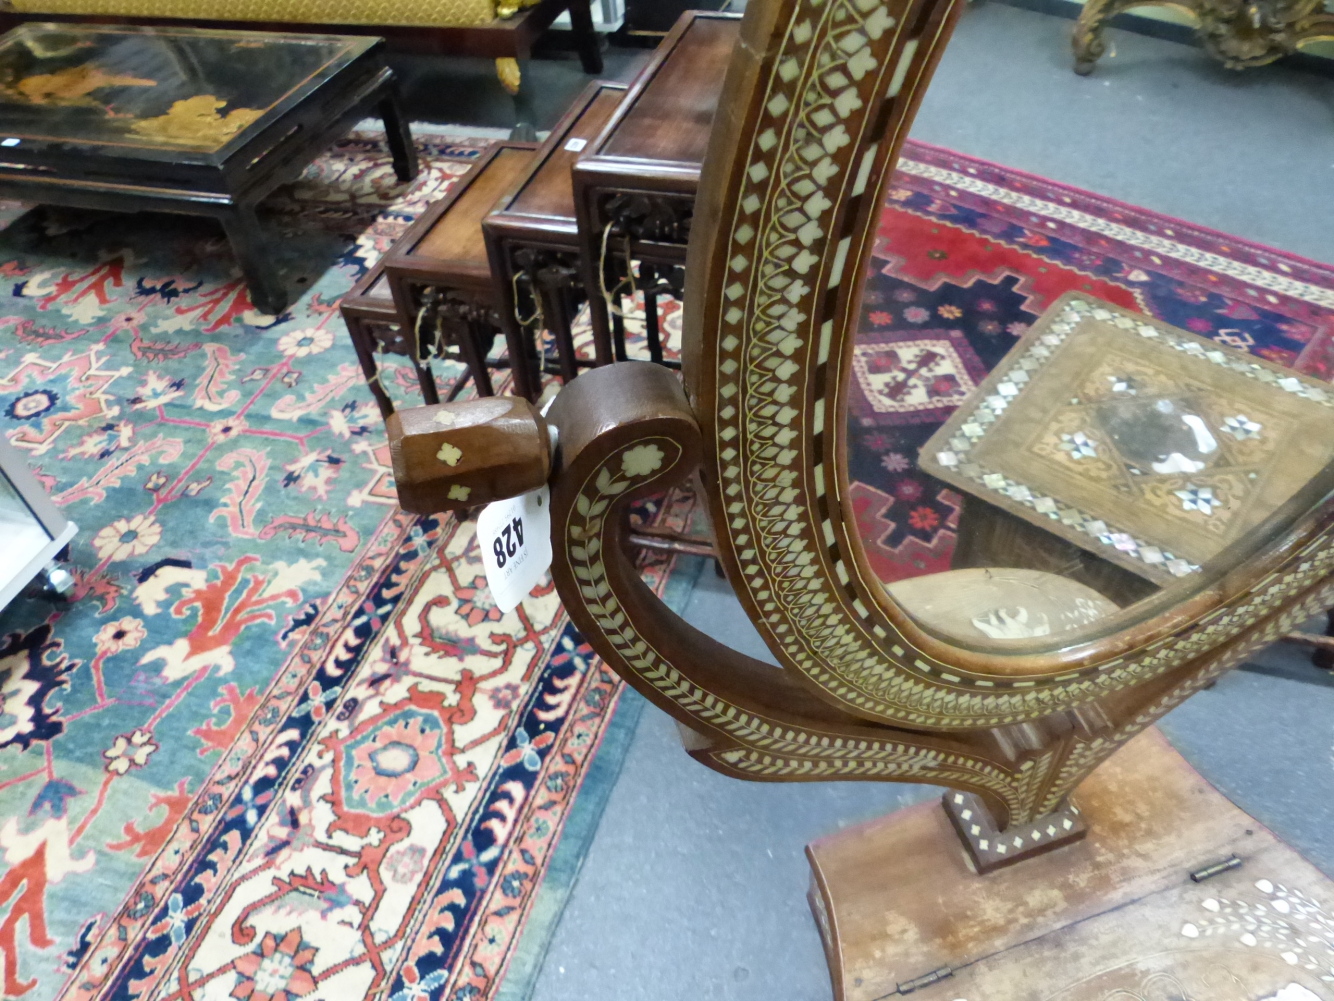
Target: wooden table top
[[547, 192], [668, 114], [670, 119], [445, 246], [1145, 444]]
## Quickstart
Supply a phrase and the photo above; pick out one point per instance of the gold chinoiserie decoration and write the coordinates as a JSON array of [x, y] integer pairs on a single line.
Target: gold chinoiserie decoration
[[73, 86], [1239, 33], [196, 121]]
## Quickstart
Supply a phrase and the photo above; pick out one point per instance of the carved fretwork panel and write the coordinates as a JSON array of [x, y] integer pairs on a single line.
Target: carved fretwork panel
[[649, 217]]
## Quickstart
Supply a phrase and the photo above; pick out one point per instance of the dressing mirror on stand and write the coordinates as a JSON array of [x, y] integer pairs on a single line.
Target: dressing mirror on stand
[[1132, 510]]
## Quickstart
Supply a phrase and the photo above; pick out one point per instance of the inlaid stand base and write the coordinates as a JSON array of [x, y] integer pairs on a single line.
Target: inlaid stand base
[[1114, 915], [990, 849]]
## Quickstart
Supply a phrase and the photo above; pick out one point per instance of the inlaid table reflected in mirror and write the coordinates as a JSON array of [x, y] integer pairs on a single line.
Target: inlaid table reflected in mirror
[[185, 120], [1108, 459]]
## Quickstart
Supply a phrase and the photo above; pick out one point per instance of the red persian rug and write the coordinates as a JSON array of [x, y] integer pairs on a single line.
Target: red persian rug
[[969, 254]]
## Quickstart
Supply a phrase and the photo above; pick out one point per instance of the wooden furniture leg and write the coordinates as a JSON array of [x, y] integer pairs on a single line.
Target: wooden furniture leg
[[398, 137], [648, 278], [247, 239], [618, 337], [599, 277], [525, 361], [363, 344], [470, 348], [585, 37], [554, 288], [426, 380]]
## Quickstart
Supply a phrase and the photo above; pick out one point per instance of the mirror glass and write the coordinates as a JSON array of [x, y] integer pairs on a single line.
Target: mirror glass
[[1063, 417]]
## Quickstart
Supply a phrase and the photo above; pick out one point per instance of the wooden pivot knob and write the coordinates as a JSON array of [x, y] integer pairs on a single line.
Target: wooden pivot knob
[[454, 456]]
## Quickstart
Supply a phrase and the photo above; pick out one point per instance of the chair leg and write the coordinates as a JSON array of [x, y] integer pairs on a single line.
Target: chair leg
[[585, 37]]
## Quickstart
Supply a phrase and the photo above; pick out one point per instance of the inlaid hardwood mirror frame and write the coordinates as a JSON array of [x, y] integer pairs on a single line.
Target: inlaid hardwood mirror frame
[[815, 106]]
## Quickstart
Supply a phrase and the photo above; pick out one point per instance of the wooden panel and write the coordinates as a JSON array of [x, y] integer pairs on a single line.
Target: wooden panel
[[550, 190], [671, 117], [457, 235], [901, 900]]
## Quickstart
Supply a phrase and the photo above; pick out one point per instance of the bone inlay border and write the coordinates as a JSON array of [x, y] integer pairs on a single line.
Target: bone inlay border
[[787, 254], [765, 747]]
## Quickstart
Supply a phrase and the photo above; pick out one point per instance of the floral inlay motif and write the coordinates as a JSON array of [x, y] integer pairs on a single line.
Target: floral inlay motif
[[641, 460], [1200, 499], [1079, 445], [1287, 920]]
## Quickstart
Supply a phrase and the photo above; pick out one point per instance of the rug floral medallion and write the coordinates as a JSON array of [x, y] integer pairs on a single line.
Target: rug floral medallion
[[281, 744]]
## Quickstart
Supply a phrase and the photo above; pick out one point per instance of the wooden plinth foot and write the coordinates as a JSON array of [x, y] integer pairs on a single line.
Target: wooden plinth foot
[[991, 849], [1147, 905]]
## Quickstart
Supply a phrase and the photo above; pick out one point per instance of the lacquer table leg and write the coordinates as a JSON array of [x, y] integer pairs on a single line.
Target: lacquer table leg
[[399, 137], [248, 243]]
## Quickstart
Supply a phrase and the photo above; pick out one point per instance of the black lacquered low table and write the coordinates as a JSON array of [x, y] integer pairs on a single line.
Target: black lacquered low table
[[184, 120]]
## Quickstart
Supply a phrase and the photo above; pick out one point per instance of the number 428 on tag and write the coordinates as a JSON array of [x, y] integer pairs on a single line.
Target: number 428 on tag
[[515, 536]]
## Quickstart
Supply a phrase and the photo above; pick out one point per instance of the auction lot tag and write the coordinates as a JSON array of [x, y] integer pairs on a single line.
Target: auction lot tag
[[515, 536]]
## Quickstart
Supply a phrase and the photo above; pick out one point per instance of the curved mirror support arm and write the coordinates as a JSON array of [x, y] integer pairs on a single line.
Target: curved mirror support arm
[[815, 105], [626, 431]]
